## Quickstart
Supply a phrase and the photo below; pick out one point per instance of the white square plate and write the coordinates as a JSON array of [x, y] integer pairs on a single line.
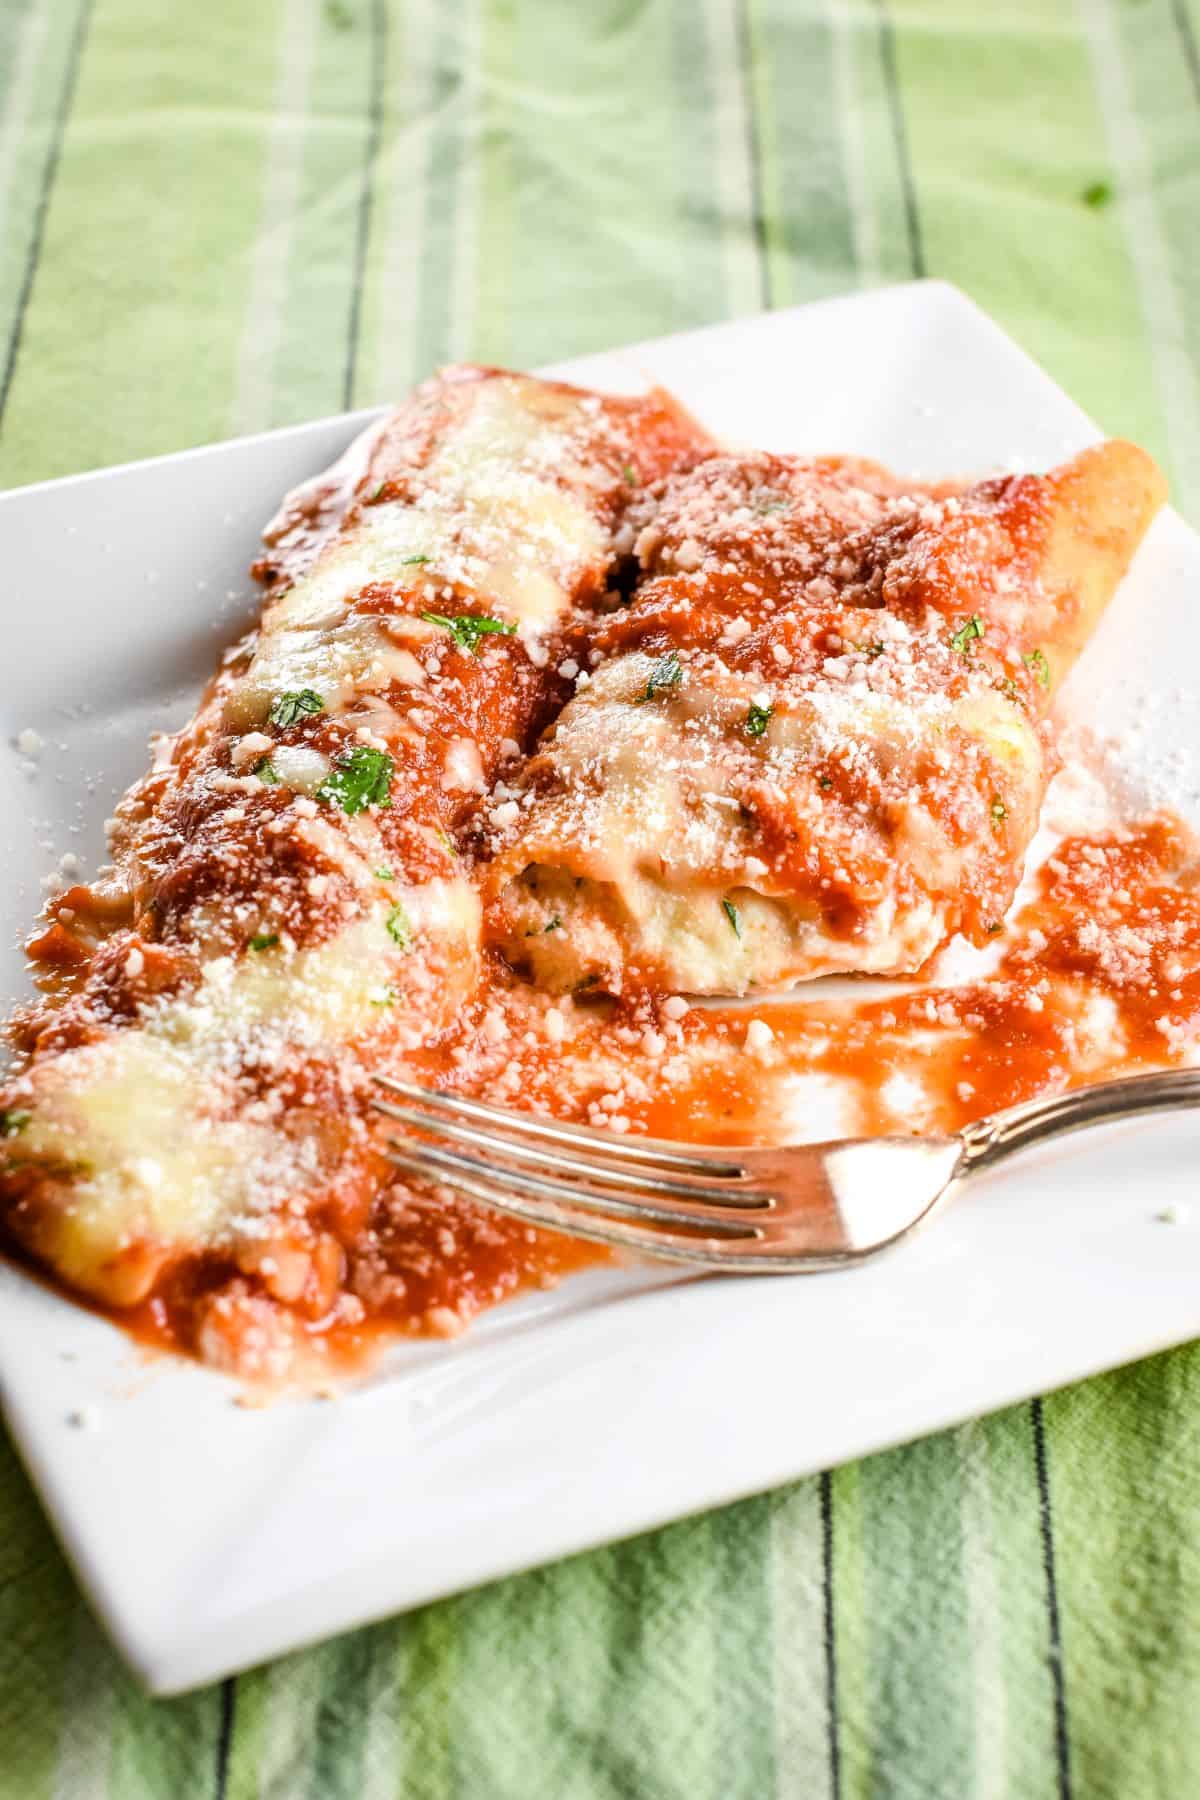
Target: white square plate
[[210, 1536]]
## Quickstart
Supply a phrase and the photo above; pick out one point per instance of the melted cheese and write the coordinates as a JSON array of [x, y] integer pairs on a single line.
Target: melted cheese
[[636, 850], [350, 656], [500, 514], [133, 1119], [163, 1151]]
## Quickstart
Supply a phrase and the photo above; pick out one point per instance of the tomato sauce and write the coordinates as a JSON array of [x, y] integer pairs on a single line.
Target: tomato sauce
[[1097, 974]]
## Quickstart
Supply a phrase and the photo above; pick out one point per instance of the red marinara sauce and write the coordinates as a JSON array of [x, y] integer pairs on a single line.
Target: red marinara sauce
[[1098, 975]]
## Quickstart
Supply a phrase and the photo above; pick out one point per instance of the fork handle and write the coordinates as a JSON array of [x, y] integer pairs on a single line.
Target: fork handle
[[988, 1140]]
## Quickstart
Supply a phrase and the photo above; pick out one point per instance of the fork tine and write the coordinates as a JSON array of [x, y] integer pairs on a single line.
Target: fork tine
[[630, 1178], [451, 1165], [654, 1152], [670, 1246]]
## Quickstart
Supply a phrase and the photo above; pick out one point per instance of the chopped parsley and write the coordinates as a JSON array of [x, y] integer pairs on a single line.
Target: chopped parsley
[[1097, 195], [266, 771], [287, 708], [665, 674], [385, 874], [1036, 661], [264, 940], [870, 651], [541, 930], [997, 925], [13, 1121], [445, 840], [399, 927], [385, 996], [406, 560], [824, 782], [629, 475], [360, 778], [970, 628], [467, 628], [757, 720], [999, 810], [379, 491], [734, 916]]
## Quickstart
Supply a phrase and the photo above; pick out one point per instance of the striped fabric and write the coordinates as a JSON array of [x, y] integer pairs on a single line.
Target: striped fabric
[[224, 216]]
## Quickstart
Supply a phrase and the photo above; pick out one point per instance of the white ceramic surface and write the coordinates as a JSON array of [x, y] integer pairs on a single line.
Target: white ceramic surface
[[210, 1536]]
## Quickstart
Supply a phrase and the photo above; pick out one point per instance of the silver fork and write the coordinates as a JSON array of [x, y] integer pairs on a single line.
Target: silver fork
[[746, 1211]]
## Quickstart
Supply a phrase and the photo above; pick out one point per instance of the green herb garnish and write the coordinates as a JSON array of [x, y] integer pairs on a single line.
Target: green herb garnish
[[970, 628], [997, 925], [264, 940], [467, 628], [386, 998], [445, 840], [734, 916], [266, 771], [999, 810], [399, 928], [629, 475], [287, 708], [757, 720], [824, 782], [541, 930], [360, 778], [405, 560], [665, 674], [1097, 195], [13, 1121], [1036, 661], [378, 494], [385, 874]]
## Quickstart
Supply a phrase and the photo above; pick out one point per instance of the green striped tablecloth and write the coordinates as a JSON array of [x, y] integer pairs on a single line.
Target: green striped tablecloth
[[233, 214]]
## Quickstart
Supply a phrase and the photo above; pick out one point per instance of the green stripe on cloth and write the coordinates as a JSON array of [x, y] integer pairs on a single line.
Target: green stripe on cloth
[[944, 1645], [1004, 1551], [1125, 1472], [38, 1605], [300, 334], [800, 1585], [874, 189], [491, 225], [1149, 84], [744, 1703], [390, 356], [592, 194], [275, 1718], [40, 46], [712, 97], [662, 1677], [913, 1595], [160, 1746], [807, 228], [145, 263], [1000, 174], [442, 242], [258, 349]]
